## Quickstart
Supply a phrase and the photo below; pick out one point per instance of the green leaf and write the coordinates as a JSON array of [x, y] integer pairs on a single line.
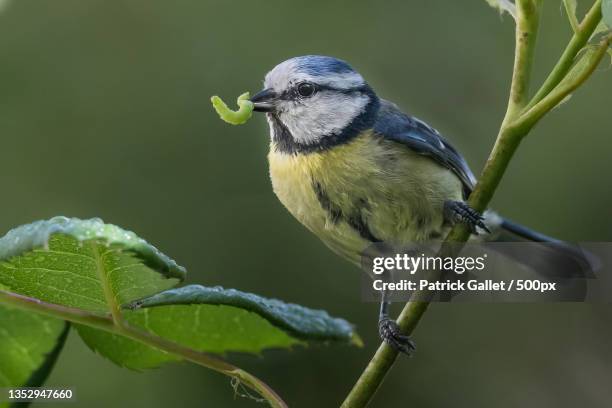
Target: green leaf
[[73, 262], [207, 328], [84, 264], [503, 6], [606, 11], [215, 320], [123, 351], [298, 321], [94, 268], [83, 271], [600, 28], [29, 347]]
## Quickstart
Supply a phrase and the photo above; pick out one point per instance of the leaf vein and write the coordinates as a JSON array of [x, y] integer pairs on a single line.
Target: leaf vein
[[19, 347], [85, 277], [54, 251], [63, 290], [118, 268]]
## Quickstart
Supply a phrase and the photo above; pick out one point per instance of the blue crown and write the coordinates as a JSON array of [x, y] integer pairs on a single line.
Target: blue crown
[[319, 65]]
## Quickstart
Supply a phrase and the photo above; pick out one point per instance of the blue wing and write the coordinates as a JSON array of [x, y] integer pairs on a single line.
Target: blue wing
[[393, 124]]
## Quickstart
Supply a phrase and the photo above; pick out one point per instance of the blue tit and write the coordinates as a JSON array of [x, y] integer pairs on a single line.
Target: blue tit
[[355, 170]]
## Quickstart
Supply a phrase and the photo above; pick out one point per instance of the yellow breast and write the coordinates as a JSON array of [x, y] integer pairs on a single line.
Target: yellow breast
[[396, 194]]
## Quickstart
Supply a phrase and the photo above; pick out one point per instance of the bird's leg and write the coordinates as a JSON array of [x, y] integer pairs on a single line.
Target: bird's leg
[[389, 330], [459, 211]]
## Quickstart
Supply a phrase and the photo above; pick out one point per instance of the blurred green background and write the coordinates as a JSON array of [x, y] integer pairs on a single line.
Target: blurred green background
[[104, 111]]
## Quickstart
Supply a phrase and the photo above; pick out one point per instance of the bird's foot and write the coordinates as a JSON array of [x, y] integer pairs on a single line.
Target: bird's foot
[[390, 333], [459, 211]]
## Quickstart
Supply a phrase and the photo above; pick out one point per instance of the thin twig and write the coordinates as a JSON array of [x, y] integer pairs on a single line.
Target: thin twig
[[577, 42]]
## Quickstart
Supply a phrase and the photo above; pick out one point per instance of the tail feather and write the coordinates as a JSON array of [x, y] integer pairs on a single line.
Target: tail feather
[[527, 234], [548, 256]]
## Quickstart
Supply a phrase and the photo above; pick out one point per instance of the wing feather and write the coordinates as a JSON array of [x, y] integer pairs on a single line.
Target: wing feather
[[393, 124]]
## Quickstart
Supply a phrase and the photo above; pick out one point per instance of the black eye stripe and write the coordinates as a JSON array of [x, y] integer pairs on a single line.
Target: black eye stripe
[[361, 89], [292, 94]]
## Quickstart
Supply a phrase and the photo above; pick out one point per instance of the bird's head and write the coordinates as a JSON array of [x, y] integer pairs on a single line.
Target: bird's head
[[314, 102]]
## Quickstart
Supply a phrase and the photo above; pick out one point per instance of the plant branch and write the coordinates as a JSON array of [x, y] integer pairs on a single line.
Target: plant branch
[[107, 323], [581, 71], [519, 120], [577, 42], [96, 320], [571, 15], [527, 21]]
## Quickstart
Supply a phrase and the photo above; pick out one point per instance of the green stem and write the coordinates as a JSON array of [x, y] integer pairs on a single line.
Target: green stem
[[571, 16], [383, 359], [204, 360], [96, 320], [527, 21], [519, 120], [106, 322], [578, 41], [581, 71]]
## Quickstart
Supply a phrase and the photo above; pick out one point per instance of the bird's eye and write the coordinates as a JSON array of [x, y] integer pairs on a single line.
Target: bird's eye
[[305, 89]]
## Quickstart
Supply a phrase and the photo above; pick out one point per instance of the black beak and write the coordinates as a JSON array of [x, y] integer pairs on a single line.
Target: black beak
[[264, 101]]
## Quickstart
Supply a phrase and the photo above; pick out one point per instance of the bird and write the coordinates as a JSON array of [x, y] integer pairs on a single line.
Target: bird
[[356, 170]]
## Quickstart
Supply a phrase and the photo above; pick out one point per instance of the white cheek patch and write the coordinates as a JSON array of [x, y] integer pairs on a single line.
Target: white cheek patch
[[326, 113]]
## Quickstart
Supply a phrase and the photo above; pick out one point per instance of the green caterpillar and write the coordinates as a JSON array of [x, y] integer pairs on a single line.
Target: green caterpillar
[[232, 117]]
